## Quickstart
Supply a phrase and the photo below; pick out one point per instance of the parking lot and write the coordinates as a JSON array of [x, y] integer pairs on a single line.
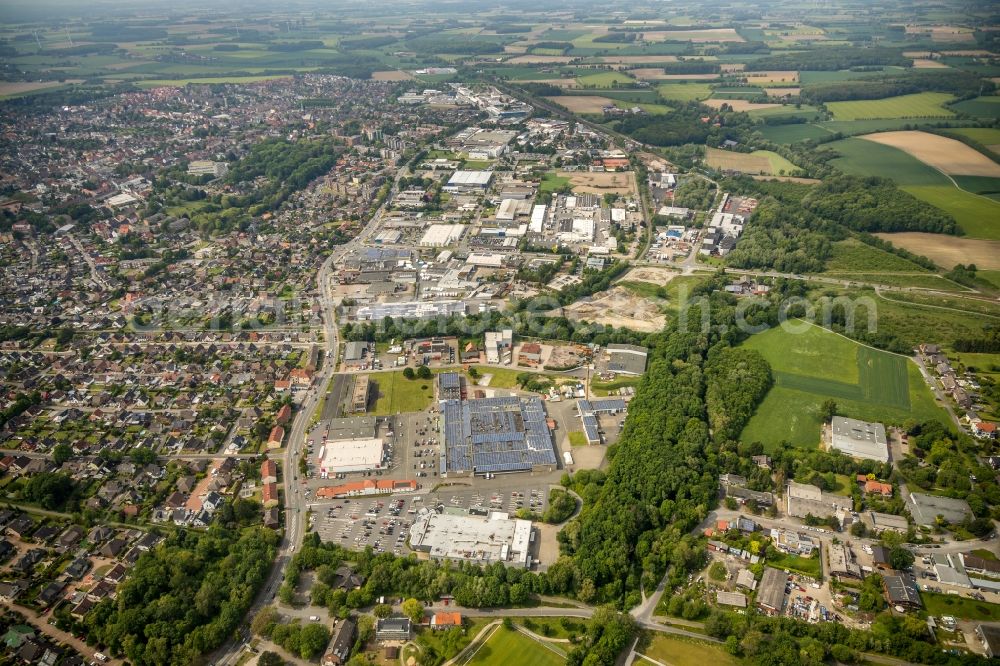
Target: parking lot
[[383, 522]]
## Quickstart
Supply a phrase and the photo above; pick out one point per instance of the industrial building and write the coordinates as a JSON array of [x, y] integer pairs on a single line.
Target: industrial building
[[410, 310], [841, 562], [449, 386], [499, 346], [859, 439], [477, 539], [771, 591], [495, 435], [352, 427], [804, 499], [352, 455], [627, 359], [469, 181], [926, 508], [886, 521], [360, 394], [901, 590], [441, 235]]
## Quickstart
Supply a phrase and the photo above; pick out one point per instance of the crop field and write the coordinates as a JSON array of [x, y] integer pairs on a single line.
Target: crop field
[[947, 155], [919, 105], [758, 162], [853, 256], [605, 80], [178, 83], [506, 646], [987, 136], [978, 216], [793, 133], [739, 104], [946, 251], [582, 103], [816, 365], [783, 78], [684, 92]]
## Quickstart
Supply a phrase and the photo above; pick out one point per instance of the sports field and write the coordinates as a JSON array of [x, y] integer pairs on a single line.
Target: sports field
[[978, 215], [919, 105], [506, 647], [815, 365]]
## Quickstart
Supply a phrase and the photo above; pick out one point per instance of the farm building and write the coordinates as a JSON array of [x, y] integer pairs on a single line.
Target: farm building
[[859, 439]]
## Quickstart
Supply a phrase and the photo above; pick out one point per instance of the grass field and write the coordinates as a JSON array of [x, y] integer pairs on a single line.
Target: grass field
[[919, 105], [678, 651], [815, 365], [960, 607], [397, 394], [978, 216], [684, 92], [507, 647], [605, 80], [808, 566], [793, 133], [758, 162], [552, 182], [984, 107], [577, 438]]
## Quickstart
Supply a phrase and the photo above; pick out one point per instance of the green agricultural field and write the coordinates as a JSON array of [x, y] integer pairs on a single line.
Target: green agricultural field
[[807, 78], [919, 105], [507, 647], [684, 92], [778, 163], [605, 80], [977, 215], [155, 83], [983, 107], [816, 365], [396, 394], [853, 256], [988, 136], [793, 133]]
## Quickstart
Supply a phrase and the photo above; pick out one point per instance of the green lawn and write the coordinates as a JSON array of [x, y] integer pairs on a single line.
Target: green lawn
[[552, 627], [678, 651], [919, 105], [808, 566], [397, 394], [684, 92], [816, 365], [506, 647], [552, 182], [577, 438], [978, 216], [960, 607]]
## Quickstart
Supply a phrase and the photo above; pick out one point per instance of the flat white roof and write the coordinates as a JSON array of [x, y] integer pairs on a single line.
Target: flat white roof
[[350, 455], [859, 439], [471, 178], [493, 538], [442, 234]]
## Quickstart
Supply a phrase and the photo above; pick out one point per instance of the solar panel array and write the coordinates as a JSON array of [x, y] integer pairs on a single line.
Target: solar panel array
[[503, 434], [590, 428]]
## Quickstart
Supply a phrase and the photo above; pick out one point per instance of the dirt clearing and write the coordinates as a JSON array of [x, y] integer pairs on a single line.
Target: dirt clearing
[[601, 182], [947, 155], [391, 75], [650, 275], [619, 308], [947, 251], [582, 103], [927, 63]]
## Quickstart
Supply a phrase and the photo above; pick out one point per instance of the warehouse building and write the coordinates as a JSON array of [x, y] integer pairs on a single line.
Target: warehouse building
[[469, 181], [449, 386], [926, 508], [859, 439], [410, 310], [352, 427], [886, 521], [477, 539], [441, 235], [495, 435], [771, 591], [627, 359]]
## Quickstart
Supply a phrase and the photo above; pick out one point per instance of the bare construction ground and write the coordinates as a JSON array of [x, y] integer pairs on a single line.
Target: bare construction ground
[[650, 275], [620, 308], [582, 103], [947, 251], [601, 182], [947, 155]]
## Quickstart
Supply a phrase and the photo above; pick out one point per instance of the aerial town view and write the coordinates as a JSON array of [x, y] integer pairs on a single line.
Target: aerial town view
[[426, 333]]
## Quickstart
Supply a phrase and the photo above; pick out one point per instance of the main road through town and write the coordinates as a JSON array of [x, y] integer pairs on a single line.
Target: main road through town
[[294, 499]]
